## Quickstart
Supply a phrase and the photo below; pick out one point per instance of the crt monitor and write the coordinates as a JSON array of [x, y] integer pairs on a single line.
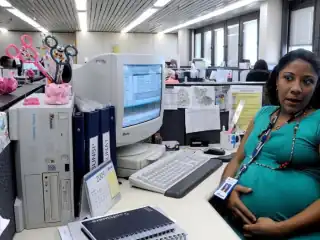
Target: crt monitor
[[133, 83], [27, 66]]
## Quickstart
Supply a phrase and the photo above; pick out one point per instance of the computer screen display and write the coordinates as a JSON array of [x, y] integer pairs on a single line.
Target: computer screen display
[[142, 93], [27, 66]]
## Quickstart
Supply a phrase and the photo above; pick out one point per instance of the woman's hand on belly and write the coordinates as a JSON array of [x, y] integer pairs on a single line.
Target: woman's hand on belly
[[263, 227], [237, 207]]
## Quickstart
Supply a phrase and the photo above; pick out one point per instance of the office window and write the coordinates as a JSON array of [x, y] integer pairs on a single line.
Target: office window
[[197, 53], [250, 41], [207, 46], [301, 29], [233, 45], [218, 46]]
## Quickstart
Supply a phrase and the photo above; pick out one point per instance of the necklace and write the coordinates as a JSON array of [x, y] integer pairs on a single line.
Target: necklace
[[304, 113]]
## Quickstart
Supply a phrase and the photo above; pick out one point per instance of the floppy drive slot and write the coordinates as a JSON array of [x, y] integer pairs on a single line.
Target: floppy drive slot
[[51, 197]]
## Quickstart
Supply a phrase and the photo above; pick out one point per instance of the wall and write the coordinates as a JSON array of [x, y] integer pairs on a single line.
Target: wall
[[14, 37], [270, 31], [90, 44]]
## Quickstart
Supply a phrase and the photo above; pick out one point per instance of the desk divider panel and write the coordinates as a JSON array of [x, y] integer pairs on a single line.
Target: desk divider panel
[[173, 127]]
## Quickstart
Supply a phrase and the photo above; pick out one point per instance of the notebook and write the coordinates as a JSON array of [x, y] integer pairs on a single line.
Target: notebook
[[177, 234], [141, 223]]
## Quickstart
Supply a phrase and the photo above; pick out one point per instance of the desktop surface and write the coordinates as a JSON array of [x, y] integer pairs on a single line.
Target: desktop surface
[[193, 213]]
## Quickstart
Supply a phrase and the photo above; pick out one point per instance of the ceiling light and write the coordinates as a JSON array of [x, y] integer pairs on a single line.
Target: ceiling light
[[161, 3], [144, 16], [3, 30], [27, 19], [41, 29], [81, 5], [5, 4], [83, 21], [213, 14]]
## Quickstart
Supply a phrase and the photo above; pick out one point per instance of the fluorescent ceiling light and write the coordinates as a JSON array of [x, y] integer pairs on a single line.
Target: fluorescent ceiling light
[[81, 5], [41, 29], [213, 14], [144, 16], [27, 19], [83, 21], [161, 3], [3, 30], [5, 4]]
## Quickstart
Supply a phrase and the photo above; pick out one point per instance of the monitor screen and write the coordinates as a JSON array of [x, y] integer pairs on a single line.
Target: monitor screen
[[27, 66], [142, 93]]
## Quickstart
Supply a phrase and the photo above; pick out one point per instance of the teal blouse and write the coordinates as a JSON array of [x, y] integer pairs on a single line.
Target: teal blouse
[[281, 194]]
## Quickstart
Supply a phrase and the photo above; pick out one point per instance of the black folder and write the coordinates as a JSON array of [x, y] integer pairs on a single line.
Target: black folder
[[79, 164], [107, 137], [92, 130]]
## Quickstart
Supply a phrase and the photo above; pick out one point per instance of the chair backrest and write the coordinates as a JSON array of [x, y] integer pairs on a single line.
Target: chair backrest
[[258, 76]]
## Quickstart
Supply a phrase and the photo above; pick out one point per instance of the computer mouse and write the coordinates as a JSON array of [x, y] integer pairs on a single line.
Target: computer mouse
[[215, 151]]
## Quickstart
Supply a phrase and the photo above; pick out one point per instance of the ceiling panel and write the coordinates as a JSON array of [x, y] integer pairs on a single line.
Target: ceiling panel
[[11, 22], [54, 15], [113, 15]]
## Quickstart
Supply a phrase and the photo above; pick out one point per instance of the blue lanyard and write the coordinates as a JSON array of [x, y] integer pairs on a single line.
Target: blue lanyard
[[264, 138]]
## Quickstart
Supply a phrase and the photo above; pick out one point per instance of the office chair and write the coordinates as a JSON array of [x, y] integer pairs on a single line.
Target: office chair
[[258, 76]]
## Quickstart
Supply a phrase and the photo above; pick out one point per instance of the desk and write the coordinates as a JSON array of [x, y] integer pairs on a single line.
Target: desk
[[193, 212]]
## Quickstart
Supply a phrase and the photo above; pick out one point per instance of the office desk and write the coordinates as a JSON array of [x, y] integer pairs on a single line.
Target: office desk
[[7, 100], [193, 212]]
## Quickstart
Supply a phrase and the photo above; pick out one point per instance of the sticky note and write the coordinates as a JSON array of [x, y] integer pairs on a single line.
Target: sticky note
[[113, 183]]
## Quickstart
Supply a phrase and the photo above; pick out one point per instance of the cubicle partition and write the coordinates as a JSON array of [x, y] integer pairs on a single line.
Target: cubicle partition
[[7, 163], [173, 127]]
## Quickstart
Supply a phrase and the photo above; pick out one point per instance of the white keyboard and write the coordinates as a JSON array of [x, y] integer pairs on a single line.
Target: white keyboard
[[179, 171]]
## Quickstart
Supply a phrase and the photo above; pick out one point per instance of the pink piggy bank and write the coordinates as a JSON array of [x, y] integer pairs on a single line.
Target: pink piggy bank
[[57, 94]]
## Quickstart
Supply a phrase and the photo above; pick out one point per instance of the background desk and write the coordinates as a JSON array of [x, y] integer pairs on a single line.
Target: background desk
[[7, 173], [173, 127], [193, 212]]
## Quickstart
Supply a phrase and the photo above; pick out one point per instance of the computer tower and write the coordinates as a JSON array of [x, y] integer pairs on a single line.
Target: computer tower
[[44, 163]]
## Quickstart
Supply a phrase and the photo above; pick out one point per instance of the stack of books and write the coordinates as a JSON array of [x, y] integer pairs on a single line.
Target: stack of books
[[138, 224]]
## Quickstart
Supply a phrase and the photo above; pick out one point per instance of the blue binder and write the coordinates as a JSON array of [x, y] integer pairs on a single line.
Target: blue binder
[[79, 164], [92, 129], [108, 136]]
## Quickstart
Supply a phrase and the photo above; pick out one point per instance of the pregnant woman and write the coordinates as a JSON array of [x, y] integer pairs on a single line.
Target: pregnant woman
[[277, 164]]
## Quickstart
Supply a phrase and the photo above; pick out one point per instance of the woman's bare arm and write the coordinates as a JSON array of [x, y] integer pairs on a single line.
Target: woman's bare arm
[[233, 165]]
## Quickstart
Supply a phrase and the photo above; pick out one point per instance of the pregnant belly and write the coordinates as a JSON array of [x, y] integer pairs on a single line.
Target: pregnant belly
[[278, 194]]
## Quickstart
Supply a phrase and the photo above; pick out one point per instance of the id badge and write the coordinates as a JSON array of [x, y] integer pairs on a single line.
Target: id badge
[[225, 188]]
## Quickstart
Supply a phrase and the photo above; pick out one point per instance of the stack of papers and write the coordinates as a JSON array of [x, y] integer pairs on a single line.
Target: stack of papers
[[151, 215], [3, 224]]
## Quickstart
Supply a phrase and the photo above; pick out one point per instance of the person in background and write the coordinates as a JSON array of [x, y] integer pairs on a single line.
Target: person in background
[[261, 65], [277, 164], [259, 73]]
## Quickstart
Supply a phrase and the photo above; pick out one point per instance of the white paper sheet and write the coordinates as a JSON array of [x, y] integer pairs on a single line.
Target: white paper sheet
[[170, 99], [64, 233], [203, 96], [3, 224], [183, 97], [202, 119]]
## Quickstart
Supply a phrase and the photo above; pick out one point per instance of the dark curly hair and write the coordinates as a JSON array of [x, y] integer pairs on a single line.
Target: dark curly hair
[[304, 55], [261, 65]]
